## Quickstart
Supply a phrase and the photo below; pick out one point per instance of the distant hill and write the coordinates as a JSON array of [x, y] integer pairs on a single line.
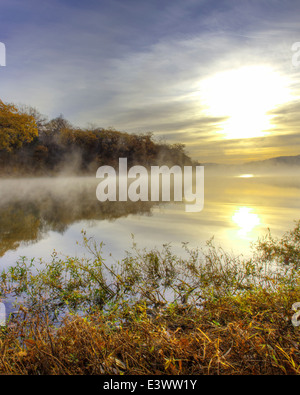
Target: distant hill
[[279, 160], [278, 163]]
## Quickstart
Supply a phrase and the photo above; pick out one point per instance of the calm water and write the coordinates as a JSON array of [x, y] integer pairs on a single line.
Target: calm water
[[40, 215]]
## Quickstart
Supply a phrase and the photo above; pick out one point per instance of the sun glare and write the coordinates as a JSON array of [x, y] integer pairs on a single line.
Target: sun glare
[[246, 220], [244, 96], [246, 176]]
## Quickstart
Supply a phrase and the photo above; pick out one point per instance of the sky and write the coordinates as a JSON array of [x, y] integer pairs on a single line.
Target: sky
[[221, 77]]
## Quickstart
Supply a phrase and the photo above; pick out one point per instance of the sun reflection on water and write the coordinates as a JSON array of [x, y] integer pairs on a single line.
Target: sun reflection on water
[[246, 176], [246, 220]]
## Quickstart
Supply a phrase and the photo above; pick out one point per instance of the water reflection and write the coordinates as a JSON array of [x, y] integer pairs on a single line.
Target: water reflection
[[30, 208], [246, 220], [246, 176], [39, 215]]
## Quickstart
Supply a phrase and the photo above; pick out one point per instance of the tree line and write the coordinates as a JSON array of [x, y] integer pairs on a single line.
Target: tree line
[[30, 143]]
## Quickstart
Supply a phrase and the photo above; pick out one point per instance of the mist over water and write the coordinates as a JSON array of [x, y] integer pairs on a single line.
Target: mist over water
[[39, 215]]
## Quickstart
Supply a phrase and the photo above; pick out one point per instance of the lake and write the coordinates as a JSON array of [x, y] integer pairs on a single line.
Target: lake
[[39, 215]]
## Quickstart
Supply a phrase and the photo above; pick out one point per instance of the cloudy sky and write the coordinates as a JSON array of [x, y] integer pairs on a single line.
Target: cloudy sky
[[221, 77]]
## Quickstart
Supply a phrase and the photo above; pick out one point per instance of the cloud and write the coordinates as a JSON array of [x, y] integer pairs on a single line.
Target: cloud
[[138, 66]]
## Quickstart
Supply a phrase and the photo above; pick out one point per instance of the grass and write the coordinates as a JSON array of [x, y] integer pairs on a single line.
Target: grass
[[156, 313]]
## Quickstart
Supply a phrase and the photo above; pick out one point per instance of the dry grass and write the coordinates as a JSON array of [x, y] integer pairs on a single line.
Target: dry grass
[[223, 319], [248, 335]]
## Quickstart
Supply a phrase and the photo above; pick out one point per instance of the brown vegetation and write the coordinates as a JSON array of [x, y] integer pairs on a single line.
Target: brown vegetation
[[30, 144], [251, 335], [226, 315]]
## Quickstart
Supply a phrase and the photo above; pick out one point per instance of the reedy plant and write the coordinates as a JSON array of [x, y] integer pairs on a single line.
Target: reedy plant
[[208, 312], [155, 278]]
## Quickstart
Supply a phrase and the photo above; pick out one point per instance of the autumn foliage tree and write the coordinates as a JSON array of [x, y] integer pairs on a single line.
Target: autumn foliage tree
[[16, 127], [30, 144]]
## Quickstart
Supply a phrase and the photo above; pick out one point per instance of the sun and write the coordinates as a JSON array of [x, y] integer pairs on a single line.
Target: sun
[[244, 97]]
